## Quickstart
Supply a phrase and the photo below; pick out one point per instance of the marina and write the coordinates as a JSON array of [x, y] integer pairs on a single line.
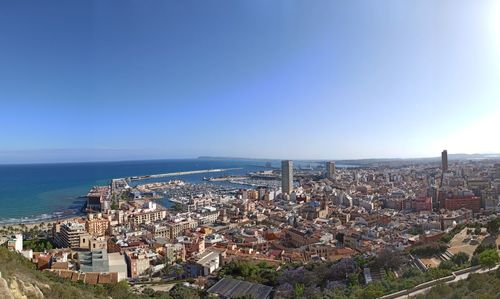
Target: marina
[[52, 191], [162, 175]]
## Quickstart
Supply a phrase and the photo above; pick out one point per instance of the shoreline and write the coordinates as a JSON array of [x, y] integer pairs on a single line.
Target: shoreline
[[19, 224], [47, 224], [75, 211]]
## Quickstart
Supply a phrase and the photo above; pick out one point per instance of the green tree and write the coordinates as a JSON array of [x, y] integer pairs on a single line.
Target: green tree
[[353, 279], [447, 265], [474, 261], [493, 226], [429, 249], [181, 292], [373, 290], [148, 292], [119, 290], [488, 258], [460, 258], [443, 290], [298, 290], [388, 259]]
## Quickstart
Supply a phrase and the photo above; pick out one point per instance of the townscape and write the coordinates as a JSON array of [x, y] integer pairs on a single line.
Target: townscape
[[323, 232]]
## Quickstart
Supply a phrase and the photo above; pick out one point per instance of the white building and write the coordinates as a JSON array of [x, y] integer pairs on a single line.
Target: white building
[[118, 264], [209, 261], [15, 243]]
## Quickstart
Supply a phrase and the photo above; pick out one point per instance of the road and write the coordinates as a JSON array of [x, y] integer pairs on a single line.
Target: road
[[457, 278]]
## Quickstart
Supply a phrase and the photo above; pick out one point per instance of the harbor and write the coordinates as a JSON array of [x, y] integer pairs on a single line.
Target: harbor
[[171, 174]]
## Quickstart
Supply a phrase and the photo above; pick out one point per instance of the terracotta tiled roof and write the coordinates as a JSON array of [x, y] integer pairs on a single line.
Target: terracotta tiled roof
[[60, 265], [75, 276], [114, 277], [105, 278], [65, 274], [91, 278], [345, 251]]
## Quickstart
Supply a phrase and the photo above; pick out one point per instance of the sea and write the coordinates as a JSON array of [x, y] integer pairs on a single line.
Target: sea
[[38, 192]]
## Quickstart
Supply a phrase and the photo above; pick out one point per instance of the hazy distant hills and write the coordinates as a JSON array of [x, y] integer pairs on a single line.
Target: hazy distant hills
[[374, 161]]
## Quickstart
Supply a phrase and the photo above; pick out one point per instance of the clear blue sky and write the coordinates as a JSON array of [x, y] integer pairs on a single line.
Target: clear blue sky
[[94, 80]]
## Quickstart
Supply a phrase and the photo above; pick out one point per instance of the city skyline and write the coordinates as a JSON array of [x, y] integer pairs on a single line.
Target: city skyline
[[67, 156], [282, 80], [250, 149]]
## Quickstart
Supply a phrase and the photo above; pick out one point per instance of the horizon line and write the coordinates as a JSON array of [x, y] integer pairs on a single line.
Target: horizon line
[[485, 156]]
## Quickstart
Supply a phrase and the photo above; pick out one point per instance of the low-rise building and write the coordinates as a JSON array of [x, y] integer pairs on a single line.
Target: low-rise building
[[206, 263], [15, 243], [137, 263], [147, 216], [118, 264], [89, 242], [93, 261], [178, 227]]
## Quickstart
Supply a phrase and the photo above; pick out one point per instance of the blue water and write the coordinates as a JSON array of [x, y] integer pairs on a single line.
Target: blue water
[[47, 191]]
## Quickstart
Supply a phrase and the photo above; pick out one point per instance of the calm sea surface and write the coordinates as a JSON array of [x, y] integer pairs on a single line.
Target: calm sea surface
[[47, 191]]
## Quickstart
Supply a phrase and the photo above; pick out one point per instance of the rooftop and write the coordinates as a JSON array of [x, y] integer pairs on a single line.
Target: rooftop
[[232, 288]]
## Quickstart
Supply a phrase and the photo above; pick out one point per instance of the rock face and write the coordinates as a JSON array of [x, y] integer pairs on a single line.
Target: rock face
[[4, 289], [18, 289]]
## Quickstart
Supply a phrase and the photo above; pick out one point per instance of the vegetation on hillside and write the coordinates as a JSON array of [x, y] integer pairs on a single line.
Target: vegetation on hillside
[[342, 279], [483, 286], [429, 250], [38, 245], [258, 273]]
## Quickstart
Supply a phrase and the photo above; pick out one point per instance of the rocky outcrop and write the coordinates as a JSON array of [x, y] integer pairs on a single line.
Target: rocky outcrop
[[18, 289], [4, 289]]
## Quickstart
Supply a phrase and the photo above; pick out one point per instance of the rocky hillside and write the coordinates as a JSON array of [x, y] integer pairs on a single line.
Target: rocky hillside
[[20, 280]]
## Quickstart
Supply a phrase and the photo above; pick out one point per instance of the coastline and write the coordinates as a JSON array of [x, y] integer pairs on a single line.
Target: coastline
[[46, 221], [43, 225], [45, 192]]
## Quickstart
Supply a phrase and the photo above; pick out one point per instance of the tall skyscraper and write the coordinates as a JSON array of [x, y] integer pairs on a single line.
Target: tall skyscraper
[[286, 176], [330, 169], [444, 161]]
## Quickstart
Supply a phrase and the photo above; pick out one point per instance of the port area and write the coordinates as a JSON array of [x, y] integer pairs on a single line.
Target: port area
[[161, 175], [223, 178], [122, 192]]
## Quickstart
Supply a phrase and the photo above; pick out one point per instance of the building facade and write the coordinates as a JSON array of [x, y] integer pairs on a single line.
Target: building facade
[[69, 235], [444, 160], [148, 217], [330, 169], [287, 176], [97, 227]]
